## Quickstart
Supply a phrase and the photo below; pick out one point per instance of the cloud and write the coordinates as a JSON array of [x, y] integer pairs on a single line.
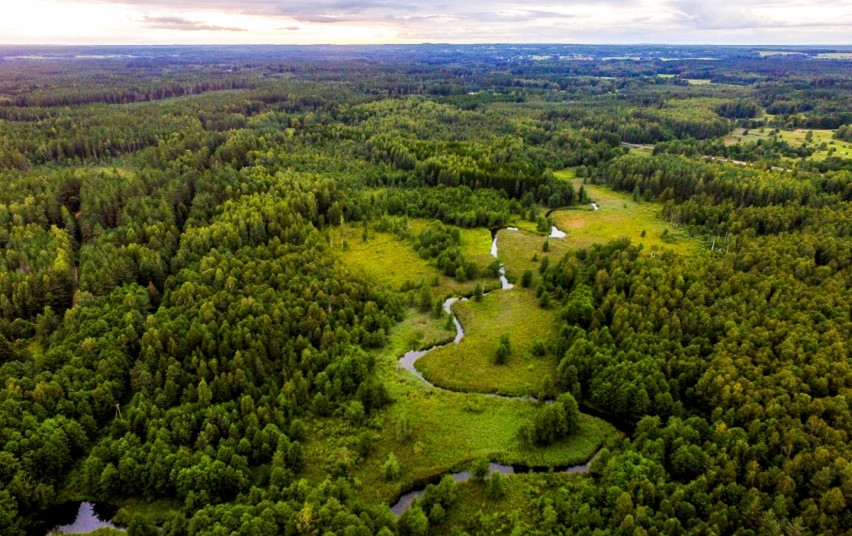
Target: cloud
[[577, 21], [185, 25]]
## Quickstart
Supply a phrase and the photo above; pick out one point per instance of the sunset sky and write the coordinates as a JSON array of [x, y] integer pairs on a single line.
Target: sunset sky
[[407, 21]]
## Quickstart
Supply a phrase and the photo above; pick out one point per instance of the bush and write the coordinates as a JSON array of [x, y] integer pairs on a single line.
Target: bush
[[390, 469], [496, 485], [413, 522], [479, 469], [526, 279], [504, 350], [403, 429]]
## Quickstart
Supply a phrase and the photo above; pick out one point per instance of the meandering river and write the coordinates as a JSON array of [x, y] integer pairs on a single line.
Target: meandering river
[[409, 359]]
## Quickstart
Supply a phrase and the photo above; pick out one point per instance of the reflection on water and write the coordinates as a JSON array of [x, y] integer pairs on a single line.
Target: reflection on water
[[556, 233], [90, 517], [505, 285]]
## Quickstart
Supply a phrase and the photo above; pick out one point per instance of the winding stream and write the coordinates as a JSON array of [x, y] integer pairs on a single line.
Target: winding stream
[[409, 359]]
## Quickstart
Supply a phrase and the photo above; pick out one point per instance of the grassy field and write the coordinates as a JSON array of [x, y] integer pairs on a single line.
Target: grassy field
[[421, 330], [393, 262], [516, 249], [475, 243], [835, 55], [620, 216], [641, 151], [446, 431], [767, 53], [434, 431], [469, 366], [796, 138]]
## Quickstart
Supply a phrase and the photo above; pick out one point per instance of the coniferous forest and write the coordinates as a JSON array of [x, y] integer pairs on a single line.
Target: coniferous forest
[[550, 289]]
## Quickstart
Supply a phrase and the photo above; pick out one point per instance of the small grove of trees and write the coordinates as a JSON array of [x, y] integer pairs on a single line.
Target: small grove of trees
[[844, 133], [552, 422], [443, 244], [738, 109]]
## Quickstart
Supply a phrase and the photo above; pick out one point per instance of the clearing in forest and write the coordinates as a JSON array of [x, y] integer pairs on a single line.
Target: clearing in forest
[[470, 365], [822, 141], [618, 216], [385, 258], [517, 249]]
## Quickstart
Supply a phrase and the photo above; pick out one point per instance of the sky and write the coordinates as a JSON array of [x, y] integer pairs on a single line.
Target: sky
[[747, 22]]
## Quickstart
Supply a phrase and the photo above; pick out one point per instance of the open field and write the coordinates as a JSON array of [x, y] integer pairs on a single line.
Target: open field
[[619, 216], [796, 138], [516, 249], [469, 366], [393, 262], [446, 430], [768, 53], [475, 243], [421, 330], [835, 56]]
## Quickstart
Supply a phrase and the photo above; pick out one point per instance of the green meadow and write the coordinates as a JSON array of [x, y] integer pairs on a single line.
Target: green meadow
[[620, 216], [517, 248], [432, 431], [385, 258], [822, 141], [469, 366]]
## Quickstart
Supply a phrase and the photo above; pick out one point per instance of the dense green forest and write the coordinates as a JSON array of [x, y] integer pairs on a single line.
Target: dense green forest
[[213, 259]]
